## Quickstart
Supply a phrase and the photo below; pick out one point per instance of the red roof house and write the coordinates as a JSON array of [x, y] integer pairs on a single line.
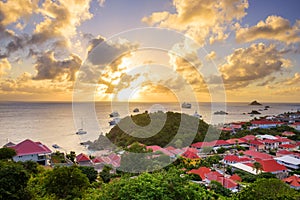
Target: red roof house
[[83, 160], [230, 159], [29, 150], [236, 178], [200, 171], [293, 181], [272, 166], [256, 154], [190, 155]]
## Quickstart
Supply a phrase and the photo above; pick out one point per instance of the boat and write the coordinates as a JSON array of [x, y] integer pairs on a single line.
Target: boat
[[186, 105], [196, 114], [55, 146], [114, 121], [136, 110], [220, 113], [114, 114], [81, 132]]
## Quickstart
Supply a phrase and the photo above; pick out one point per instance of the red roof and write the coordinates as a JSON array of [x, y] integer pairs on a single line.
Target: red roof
[[234, 158], [282, 139], [234, 141], [98, 160], [200, 171], [293, 181], [210, 144], [256, 142], [190, 155], [236, 177], [256, 154], [271, 166], [226, 182], [213, 176], [288, 133], [226, 129], [248, 137], [269, 141], [82, 158], [28, 147], [154, 148], [265, 122], [170, 148]]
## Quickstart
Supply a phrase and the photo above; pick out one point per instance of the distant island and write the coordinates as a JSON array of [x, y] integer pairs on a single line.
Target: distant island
[[255, 103]]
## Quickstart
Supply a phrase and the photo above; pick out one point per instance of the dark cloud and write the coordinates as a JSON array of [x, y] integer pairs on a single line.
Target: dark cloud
[[49, 68]]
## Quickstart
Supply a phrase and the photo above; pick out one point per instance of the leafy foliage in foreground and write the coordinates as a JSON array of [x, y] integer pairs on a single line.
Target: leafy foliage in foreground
[[159, 185]]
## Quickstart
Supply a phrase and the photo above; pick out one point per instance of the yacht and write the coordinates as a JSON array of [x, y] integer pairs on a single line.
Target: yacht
[[55, 146], [186, 105], [136, 110], [81, 132]]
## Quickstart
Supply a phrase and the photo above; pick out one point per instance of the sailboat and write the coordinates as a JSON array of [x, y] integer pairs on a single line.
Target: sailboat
[[81, 131]]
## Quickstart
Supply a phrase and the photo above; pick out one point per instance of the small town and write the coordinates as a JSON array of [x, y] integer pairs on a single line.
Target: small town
[[270, 151]]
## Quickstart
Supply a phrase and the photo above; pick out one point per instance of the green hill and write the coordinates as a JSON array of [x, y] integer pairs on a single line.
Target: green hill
[[186, 128]]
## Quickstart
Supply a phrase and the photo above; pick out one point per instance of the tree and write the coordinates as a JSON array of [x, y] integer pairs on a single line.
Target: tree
[[7, 153], [90, 173], [158, 185], [257, 166], [268, 189], [71, 156], [66, 182], [105, 174], [219, 189], [13, 181]]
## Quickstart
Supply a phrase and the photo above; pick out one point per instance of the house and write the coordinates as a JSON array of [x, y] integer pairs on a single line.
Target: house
[[289, 147], [285, 152], [201, 171], [288, 133], [230, 159], [83, 160], [190, 157], [296, 126], [256, 145], [244, 167], [34, 151], [270, 144], [283, 140], [256, 154], [236, 178], [293, 181], [213, 144], [289, 161], [226, 182], [272, 166], [265, 124]]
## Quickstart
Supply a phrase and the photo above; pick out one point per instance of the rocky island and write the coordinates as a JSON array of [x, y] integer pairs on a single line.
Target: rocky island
[[255, 103]]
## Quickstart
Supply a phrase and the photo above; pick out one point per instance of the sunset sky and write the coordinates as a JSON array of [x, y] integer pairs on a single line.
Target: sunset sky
[[254, 45]]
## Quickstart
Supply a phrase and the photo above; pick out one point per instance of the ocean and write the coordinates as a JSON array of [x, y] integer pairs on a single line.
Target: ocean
[[53, 123]]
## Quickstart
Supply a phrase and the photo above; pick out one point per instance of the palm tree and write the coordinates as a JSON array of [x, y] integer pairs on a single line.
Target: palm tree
[[257, 166]]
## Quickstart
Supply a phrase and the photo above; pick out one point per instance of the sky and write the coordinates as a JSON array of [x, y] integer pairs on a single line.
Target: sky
[[221, 50]]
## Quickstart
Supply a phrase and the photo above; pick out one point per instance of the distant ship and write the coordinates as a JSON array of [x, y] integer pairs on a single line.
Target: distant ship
[[136, 110], [220, 113], [55, 146], [186, 105], [114, 114]]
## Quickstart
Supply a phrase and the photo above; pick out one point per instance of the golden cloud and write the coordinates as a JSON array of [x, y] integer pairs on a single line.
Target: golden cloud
[[254, 63], [4, 66], [273, 28], [294, 80], [200, 19]]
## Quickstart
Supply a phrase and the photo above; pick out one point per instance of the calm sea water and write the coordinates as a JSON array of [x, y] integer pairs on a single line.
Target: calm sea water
[[53, 123]]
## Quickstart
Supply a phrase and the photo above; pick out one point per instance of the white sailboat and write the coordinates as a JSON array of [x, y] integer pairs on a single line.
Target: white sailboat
[[81, 131]]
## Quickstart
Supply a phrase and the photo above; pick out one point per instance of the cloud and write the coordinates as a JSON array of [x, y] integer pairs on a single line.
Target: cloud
[[267, 82], [4, 66], [294, 80], [211, 56], [200, 19], [245, 66], [48, 67], [12, 11], [273, 28]]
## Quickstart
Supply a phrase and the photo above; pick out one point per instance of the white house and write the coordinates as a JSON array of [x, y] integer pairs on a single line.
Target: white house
[[29, 150], [265, 124], [289, 161]]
